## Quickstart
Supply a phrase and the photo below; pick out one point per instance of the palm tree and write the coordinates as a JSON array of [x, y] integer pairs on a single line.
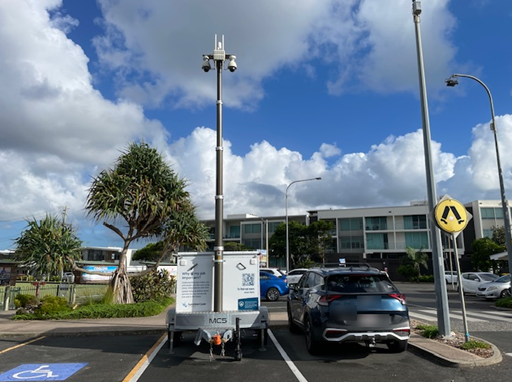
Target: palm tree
[[47, 247], [140, 192], [416, 259]]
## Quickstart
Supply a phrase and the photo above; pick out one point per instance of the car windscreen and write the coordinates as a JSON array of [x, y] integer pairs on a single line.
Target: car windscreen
[[359, 283], [503, 279], [488, 277]]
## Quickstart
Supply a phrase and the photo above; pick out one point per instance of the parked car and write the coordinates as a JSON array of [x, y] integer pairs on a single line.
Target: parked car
[[472, 280], [294, 276], [450, 277], [272, 287], [498, 288], [274, 271], [68, 277], [348, 304]]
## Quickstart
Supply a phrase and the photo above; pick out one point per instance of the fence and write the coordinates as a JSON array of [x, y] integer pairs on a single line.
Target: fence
[[73, 292]]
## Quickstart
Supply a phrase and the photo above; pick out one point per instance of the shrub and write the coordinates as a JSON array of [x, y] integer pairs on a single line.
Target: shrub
[[504, 302], [155, 285], [428, 331], [141, 309], [474, 344], [52, 305], [24, 300], [408, 272], [426, 279]]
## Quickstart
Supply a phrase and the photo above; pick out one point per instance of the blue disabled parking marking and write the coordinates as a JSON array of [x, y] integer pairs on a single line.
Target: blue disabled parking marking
[[41, 372]]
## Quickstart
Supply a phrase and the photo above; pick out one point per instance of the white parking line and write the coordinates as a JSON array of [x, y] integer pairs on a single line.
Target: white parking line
[[490, 314], [287, 359]]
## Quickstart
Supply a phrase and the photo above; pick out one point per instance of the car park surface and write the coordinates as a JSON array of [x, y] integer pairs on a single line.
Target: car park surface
[[498, 288], [348, 304], [472, 280], [272, 287]]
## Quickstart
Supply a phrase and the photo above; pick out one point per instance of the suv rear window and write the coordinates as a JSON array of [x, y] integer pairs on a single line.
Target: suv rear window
[[352, 283]]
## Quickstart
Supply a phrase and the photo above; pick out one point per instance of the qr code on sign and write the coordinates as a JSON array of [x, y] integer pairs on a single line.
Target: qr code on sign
[[248, 279]]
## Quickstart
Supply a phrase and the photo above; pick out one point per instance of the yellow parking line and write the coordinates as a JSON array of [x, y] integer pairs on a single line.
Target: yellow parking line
[[145, 360], [23, 344]]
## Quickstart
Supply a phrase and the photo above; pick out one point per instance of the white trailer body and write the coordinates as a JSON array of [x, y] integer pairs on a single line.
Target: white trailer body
[[241, 308]]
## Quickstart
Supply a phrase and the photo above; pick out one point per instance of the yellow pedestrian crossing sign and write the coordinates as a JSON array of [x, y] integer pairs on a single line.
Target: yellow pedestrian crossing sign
[[451, 216]]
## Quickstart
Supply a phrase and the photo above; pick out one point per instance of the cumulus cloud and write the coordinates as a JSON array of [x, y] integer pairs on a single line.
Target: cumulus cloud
[[149, 42], [57, 129]]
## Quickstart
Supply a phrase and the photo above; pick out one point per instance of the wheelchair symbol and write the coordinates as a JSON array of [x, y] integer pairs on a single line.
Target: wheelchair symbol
[[41, 372]]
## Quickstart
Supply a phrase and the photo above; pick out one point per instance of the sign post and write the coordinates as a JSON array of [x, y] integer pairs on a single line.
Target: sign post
[[452, 217]]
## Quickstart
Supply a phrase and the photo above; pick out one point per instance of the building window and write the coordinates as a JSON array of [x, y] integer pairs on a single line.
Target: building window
[[234, 231], [416, 240], [351, 242], [351, 224], [491, 213], [376, 223], [272, 227], [377, 241], [488, 233], [252, 228], [252, 243], [415, 222]]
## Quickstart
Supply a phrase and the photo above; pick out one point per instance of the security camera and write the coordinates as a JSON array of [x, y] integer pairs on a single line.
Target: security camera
[[206, 64], [232, 64], [416, 7]]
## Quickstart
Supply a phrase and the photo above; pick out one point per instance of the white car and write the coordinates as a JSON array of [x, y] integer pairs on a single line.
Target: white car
[[472, 280], [450, 277], [274, 271], [294, 276]]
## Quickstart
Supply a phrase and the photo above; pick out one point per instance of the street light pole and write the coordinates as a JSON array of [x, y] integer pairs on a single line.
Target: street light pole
[[219, 56], [443, 319], [452, 81], [286, 214]]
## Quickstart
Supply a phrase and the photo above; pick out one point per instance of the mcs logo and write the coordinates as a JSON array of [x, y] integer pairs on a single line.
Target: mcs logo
[[219, 320]]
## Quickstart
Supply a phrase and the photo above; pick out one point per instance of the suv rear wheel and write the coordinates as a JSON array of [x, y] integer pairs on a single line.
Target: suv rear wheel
[[397, 346], [312, 343]]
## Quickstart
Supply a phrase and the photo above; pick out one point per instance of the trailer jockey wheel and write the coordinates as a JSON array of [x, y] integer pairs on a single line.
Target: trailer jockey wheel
[[238, 341]]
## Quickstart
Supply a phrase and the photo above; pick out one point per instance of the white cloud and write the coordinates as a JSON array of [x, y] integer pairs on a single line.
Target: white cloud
[[57, 129]]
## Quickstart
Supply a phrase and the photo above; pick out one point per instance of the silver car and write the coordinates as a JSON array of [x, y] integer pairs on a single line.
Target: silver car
[[494, 289]]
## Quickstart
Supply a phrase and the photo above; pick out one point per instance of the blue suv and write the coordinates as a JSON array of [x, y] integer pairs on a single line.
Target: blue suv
[[348, 304]]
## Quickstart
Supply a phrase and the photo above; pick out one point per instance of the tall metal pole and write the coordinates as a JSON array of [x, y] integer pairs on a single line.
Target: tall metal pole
[[219, 56], [286, 213], [219, 198], [443, 319], [504, 203]]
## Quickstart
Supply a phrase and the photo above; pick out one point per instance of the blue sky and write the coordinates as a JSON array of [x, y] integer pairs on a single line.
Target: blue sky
[[323, 88]]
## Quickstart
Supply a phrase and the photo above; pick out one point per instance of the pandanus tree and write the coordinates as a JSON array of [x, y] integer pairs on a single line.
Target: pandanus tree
[[47, 247], [135, 199]]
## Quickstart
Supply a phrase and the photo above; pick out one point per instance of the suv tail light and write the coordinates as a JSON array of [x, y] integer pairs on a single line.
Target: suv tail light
[[326, 299], [399, 296]]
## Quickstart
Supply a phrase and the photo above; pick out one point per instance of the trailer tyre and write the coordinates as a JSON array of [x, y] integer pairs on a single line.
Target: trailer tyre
[[273, 294]]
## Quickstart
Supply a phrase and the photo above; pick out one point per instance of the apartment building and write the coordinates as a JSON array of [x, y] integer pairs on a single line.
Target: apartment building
[[376, 235]]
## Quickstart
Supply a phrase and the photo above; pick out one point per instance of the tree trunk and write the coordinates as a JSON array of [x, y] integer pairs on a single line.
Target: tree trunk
[[120, 288]]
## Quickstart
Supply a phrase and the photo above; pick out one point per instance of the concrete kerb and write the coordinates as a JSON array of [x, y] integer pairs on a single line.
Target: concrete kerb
[[446, 355]]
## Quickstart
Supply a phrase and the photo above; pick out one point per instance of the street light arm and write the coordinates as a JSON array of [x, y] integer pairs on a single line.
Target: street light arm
[[286, 214], [493, 119], [504, 202]]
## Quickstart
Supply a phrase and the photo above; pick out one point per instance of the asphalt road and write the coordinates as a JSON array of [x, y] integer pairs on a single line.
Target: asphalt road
[[114, 358]]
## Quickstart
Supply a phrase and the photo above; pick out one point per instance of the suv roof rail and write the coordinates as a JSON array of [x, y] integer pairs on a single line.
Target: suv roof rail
[[351, 266]]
